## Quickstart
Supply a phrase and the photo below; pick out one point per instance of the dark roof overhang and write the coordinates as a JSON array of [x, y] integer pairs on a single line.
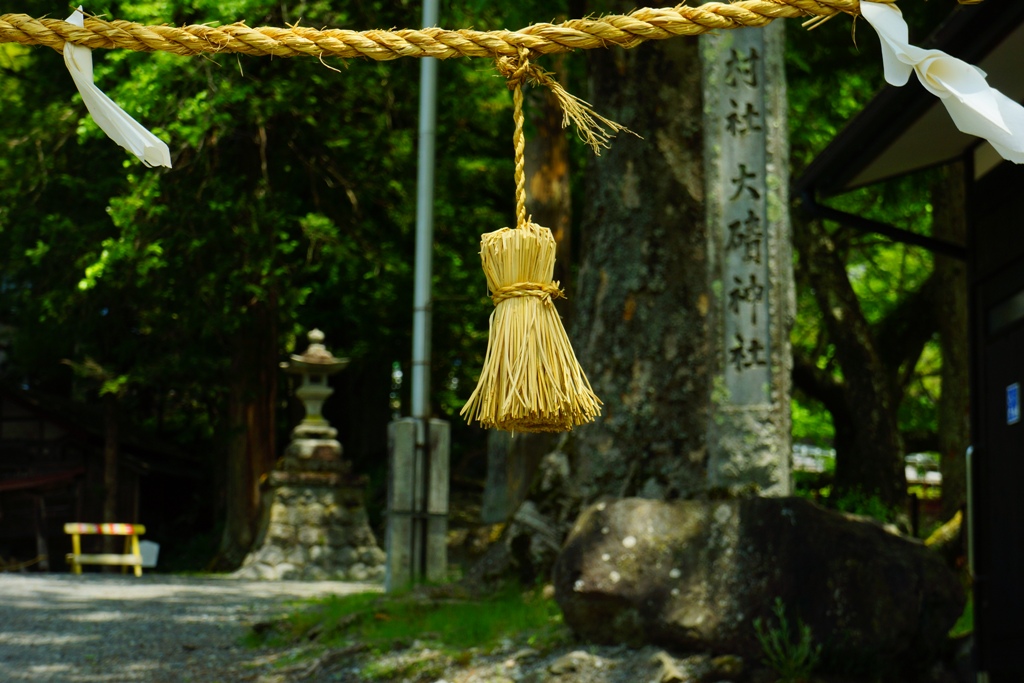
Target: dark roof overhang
[[907, 129]]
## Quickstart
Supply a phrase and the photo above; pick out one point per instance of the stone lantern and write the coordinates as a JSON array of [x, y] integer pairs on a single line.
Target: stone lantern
[[315, 524], [314, 367]]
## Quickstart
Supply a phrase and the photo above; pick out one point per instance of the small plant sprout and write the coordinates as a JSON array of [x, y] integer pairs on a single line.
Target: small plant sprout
[[790, 652]]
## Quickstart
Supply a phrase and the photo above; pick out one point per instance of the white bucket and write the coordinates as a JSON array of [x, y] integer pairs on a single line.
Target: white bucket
[[149, 551]]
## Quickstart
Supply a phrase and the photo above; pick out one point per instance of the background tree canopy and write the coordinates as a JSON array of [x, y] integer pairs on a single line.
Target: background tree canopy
[[291, 205]]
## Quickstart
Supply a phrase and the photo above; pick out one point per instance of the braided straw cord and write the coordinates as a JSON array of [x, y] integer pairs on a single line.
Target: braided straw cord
[[625, 31], [517, 74]]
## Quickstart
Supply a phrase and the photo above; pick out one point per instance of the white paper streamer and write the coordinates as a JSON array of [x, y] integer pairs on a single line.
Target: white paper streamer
[[112, 120], [975, 107]]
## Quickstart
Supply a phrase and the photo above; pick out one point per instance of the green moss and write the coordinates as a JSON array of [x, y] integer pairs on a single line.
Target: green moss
[[451, 625]]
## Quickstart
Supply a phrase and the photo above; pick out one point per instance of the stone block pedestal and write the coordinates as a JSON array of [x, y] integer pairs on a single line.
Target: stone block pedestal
[[315, 527]]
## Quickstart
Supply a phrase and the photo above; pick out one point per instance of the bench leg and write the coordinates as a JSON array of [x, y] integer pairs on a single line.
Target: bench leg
[[137, 553], [76, 548]]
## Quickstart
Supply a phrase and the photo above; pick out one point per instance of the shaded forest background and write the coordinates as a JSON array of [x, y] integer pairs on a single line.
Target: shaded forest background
[[168, 298]]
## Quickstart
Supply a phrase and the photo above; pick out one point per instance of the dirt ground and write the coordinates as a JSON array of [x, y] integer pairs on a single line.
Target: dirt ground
[[173, 629]]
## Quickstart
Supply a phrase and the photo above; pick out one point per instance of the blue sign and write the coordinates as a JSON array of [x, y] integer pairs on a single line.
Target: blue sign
[[1013, 404]]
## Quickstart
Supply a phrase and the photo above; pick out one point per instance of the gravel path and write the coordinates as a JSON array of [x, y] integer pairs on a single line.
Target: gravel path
[[156, 629]]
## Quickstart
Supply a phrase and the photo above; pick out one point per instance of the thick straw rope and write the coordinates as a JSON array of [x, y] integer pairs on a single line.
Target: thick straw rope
[[625, 31]]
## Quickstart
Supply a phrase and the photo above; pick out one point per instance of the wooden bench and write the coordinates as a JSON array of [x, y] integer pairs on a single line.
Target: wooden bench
[[131, 557]]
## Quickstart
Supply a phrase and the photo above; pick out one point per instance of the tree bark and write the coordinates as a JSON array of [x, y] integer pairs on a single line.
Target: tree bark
[[949, 204], [548, 192], [641, 301], [250, 451], [110, 457], [869, 446], [111, 439]]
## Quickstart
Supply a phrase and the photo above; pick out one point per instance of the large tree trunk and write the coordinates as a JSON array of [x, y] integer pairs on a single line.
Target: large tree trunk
[[548, 192], [641, 299], [250, 453], [950, 223], [869, 445]]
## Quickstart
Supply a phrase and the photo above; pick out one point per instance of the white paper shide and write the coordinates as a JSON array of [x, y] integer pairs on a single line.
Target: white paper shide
[[112, 120], [975, 107]]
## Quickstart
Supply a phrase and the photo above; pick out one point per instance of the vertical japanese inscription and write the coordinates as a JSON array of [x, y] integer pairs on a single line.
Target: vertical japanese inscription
[[746, 348], [750, 269]]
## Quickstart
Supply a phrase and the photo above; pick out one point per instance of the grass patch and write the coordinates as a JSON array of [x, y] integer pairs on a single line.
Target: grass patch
[[385, 623]]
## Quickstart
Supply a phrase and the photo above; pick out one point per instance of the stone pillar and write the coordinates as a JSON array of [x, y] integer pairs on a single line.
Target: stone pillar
[[417, 535], [512, 463], [750, 258]]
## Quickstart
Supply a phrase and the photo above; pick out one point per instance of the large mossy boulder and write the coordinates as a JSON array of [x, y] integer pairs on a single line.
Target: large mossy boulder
[[696, 574]]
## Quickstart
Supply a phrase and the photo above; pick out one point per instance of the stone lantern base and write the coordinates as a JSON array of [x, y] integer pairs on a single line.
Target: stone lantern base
[[316, 526]]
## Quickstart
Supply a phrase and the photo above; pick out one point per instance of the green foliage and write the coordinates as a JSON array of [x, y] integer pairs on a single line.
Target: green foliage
[[964, 625], [857, 502], [832, 72], [812, 423], [790, 651], [291, 204], [918, 410]]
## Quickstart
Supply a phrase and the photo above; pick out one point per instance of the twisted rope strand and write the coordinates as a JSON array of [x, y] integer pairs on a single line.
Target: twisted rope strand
[[625, 31], [516, 72]]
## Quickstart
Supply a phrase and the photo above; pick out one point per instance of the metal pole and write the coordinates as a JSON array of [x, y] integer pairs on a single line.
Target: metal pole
[[422, 299], [424, 228]]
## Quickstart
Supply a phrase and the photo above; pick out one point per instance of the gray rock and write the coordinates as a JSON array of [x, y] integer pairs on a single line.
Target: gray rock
[[358, 572], [347, 556], [248, 572], [265, 572], [281, 532], [372, 557], [338, 536], [279, 513], [694, 575], [287, 571], [333, 513], [296, 556], [696, 668], [271, 554], [565, 664], [310, 535], [575, 662], [317, 553], [313, 514]]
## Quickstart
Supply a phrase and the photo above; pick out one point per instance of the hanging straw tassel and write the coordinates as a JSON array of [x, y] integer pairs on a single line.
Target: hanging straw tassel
[[530, 380]]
